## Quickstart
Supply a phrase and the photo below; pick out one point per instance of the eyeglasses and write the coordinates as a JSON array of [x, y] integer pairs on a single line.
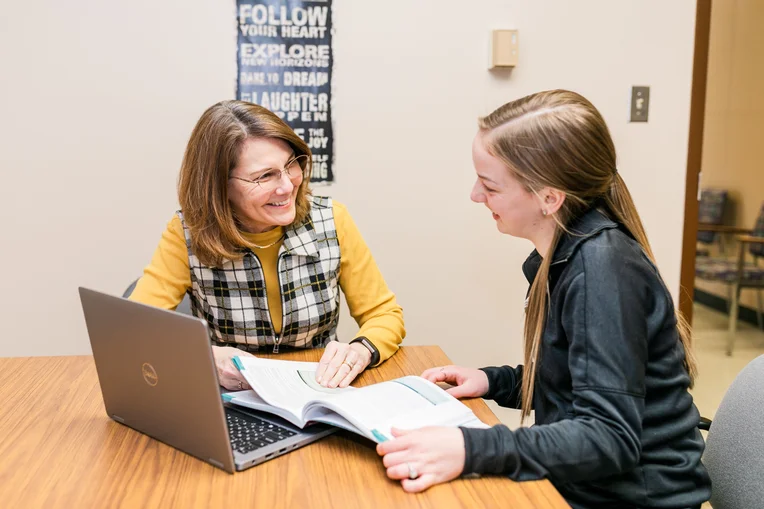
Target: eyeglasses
[[271, 179]]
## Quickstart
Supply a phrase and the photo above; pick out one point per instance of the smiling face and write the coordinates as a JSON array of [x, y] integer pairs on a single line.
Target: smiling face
[[516, 209], [266, 197]]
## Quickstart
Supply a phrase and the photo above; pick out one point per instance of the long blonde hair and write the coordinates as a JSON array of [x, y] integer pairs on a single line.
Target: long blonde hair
[[211, 154], [558, 139]]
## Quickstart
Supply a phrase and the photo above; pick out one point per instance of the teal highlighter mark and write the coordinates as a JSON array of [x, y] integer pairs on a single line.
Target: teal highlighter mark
[[227, 397], [379, 436], [237, 363]]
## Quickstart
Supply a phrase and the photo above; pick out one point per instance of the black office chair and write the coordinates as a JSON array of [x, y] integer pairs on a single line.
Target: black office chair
[[184, 306]]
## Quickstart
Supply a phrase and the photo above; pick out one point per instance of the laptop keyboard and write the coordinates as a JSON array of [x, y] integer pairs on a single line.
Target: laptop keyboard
[[249, 433]]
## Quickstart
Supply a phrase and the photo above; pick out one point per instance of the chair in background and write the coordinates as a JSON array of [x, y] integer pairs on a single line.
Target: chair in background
[[734, 455], [184, 306], [738, 274], [711, 213]]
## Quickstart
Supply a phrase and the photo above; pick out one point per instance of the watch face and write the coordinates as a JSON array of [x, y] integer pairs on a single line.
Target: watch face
[[374, 352], [370, 347]]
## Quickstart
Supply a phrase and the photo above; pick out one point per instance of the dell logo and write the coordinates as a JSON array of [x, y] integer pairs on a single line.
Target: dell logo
[[149, 374]]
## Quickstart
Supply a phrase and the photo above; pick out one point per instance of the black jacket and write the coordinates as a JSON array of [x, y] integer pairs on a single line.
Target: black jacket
[[615, 425]]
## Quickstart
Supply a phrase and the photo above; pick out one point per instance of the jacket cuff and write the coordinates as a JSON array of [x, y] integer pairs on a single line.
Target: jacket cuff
[[493, 374], [469, 451], [488, 451]]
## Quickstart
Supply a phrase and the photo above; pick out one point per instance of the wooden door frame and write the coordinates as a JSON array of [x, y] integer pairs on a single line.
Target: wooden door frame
[[694, 155]]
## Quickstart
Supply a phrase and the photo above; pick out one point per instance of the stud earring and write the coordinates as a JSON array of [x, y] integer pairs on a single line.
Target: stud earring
[[543, 212]]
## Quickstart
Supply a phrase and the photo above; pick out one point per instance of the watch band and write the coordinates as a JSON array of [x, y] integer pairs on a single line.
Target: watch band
[[370, 346]]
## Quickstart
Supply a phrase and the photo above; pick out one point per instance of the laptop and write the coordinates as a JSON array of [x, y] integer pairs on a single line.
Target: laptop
[[158, 376]]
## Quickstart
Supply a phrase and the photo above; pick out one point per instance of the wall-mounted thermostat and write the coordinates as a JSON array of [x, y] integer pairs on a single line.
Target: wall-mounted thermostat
[[504, 48]]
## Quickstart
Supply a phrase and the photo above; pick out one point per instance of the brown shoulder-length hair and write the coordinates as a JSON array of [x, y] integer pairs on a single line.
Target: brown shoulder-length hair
[[558, 139], [212, 153]]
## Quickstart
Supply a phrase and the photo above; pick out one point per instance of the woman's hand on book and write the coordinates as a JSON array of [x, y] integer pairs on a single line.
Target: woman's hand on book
[[424, 457], [341, 363], [468, 382], [228, 376]]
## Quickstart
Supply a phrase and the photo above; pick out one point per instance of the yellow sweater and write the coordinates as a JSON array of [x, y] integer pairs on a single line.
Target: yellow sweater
[[371, 303]]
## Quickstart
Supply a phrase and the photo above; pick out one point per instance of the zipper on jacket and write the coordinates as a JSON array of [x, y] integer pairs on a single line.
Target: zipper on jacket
[[559, 262], [549, 293], [277, 337]]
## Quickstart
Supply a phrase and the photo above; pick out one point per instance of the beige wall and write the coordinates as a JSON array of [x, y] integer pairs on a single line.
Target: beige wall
[[102, 98], [734, 123]]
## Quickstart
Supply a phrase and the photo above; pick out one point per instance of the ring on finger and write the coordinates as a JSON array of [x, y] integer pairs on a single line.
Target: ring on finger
[[413, 474]]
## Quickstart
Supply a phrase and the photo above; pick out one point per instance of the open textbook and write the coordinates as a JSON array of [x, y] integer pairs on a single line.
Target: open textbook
[[289, 389]]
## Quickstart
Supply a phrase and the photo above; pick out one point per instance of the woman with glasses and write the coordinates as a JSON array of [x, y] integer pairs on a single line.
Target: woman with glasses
[[261, 259]]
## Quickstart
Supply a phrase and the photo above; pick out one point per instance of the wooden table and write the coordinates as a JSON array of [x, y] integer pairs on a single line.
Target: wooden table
[[58, 448]]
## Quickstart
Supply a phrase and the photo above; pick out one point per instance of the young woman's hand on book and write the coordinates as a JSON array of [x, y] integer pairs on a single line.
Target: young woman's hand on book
[[228, 376], [469, 382], [341, 363], [423, 457]]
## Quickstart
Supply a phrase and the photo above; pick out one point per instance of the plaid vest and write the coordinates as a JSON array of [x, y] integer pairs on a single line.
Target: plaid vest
[[232, 298]]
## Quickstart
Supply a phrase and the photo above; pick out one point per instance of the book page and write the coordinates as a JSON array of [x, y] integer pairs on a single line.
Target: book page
[[290, 385], [450, 414], [409, 402], [250, 399], [327, 416]]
